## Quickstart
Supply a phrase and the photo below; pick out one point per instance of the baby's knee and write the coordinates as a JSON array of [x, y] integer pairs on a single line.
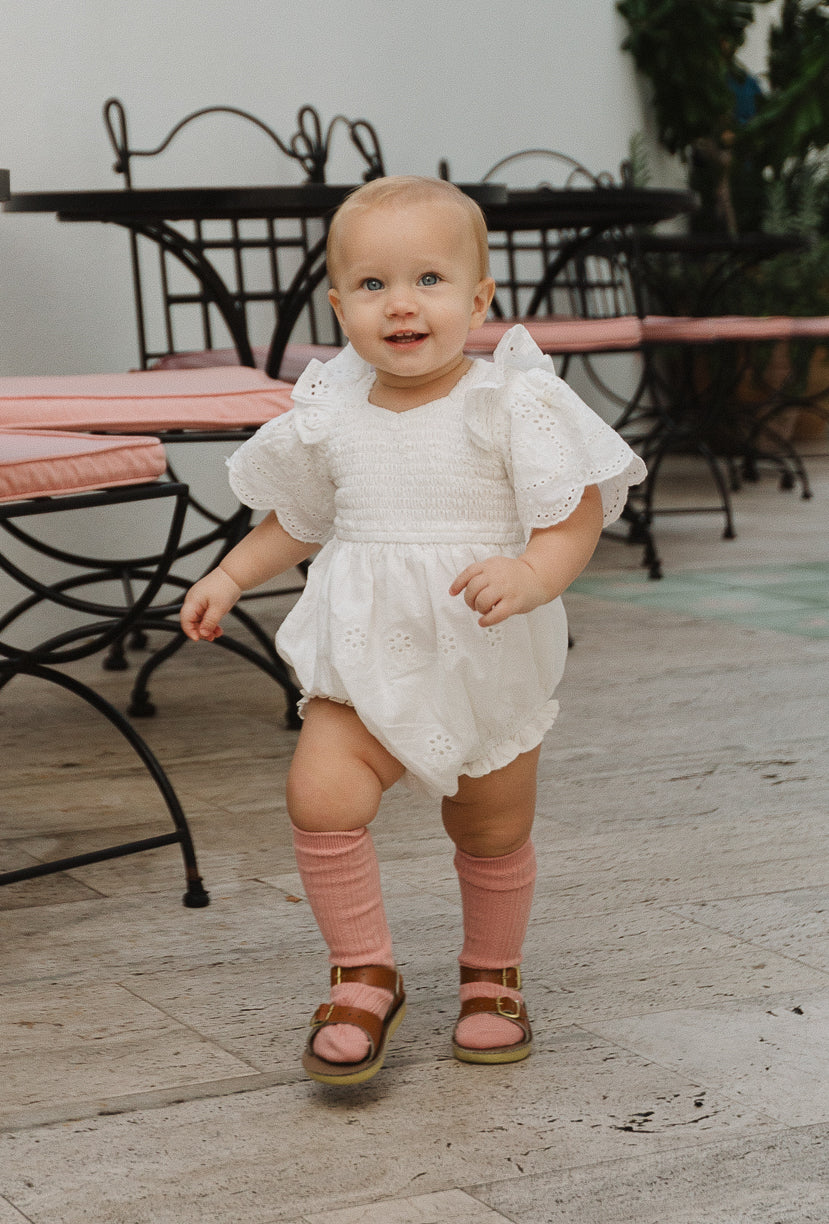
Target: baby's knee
[[323, 800]]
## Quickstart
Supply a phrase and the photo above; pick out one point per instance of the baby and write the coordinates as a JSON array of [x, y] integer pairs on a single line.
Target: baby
[[452, 502]]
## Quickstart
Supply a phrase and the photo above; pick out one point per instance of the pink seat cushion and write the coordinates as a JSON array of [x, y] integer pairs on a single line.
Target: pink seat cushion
[[232, 397], [680, 329], [563, 335], [45, 463], [294, 361]]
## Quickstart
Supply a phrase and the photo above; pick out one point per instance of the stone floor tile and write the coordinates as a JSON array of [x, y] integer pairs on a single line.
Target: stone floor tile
[[635, 969], [10, 1215], [779, 1178], [439, 1208], [41, 891], [91, 1042], [774, 1058], [111, 938], [793, 923]]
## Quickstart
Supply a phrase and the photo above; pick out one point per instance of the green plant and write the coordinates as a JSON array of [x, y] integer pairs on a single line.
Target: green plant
[[734, 135], [680, 46]]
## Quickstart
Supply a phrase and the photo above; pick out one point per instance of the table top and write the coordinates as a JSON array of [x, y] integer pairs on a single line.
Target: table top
[[593, 207], [183, 203], [701, 245], [590, 207]]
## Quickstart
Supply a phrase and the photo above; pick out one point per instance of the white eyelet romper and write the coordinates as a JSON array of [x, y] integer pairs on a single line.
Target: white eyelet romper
[[401, 503]]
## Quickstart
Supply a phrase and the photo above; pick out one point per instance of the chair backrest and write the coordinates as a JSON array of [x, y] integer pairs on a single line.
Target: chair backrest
[[556, 272], [258, 259]]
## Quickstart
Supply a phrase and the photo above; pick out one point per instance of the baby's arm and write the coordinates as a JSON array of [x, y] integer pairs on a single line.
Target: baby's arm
[[555, 556], [266, 551]]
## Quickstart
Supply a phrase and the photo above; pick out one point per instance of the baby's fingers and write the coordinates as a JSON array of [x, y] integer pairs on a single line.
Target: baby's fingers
[[464, 578], [196, 621], [499, 611]]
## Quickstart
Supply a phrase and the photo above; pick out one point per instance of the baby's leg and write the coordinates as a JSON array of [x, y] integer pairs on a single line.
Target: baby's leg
[[335, 784], [490, 820]]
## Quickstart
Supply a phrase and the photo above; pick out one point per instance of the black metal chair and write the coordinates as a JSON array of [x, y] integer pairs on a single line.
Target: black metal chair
[[187, 318], [180, 406], [49, 475]]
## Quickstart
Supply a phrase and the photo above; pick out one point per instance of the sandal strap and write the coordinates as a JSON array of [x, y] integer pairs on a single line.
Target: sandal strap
[[369, 975], [334, 1013], [510, 1009], [509, 978]]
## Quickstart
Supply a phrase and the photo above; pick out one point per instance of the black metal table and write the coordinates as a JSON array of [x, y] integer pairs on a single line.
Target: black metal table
[[154, 212], [691, 274], [590, 210]]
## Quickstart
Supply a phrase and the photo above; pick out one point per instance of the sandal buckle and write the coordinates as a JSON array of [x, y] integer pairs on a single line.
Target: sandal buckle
[[322, 1015], [504, 1011]]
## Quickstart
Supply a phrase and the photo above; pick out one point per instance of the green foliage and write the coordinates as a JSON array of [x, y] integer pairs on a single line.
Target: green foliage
[[639, 162], [794, 115], [685, 48]]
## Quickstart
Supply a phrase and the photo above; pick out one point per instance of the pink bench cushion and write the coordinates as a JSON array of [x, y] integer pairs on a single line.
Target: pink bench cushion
[[232, 397], [294, 361], [45, 463], [564, 335], [680, 329]]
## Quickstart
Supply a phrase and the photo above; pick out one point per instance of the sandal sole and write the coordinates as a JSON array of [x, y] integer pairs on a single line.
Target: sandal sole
[[503, 1054]]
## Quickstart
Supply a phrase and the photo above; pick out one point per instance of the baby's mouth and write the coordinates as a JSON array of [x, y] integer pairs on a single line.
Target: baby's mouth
[[406, 337]]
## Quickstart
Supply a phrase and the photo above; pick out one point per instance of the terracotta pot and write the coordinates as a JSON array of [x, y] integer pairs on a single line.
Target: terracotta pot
[[811, 426]]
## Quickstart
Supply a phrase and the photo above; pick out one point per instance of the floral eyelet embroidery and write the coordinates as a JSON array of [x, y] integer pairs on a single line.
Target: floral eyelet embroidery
[[440, 745], [400, 643], [317, 387], [447, 644], [355, 638], [494, 635]]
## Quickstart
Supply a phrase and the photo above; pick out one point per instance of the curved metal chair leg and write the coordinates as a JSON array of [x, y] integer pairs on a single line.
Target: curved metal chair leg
[[196, 895], [271, 664], [140, 705]]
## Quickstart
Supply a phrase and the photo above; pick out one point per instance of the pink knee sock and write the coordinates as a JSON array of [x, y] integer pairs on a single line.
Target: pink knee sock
[[496, 894], [341, 879]]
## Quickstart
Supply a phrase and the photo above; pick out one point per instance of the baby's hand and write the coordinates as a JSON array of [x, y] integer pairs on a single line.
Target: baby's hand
[[500, 587], [206, 603]]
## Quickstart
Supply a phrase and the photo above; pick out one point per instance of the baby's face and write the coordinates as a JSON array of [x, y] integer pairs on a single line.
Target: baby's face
[[407, 289]]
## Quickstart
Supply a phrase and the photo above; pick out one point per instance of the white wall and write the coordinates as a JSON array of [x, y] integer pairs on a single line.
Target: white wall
[[469, 80]]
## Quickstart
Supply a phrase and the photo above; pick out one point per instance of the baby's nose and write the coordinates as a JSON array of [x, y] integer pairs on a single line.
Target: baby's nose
[[401, 301]]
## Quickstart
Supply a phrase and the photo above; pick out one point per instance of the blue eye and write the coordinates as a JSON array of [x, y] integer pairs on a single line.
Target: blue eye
[[429, 278], [372, 284]]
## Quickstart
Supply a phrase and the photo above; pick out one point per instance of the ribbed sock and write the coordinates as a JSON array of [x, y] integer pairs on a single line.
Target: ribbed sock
[[341, 879], [496, 894]]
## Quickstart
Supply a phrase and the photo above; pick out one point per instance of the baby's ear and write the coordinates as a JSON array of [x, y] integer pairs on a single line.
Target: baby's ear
[[482, 300], [336, 306]]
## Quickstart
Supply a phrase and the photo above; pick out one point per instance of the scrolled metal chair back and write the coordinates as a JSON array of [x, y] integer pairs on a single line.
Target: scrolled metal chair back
[[310, 145]]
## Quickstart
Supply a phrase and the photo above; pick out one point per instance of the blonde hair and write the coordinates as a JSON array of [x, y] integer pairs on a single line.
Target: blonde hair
[[411, 189]]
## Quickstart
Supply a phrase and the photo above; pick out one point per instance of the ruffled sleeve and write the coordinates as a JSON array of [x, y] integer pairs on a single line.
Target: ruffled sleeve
[[284, 466], [554, 446]]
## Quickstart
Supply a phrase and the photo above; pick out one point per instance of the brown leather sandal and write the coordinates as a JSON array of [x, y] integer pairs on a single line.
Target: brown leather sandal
[[503, 1005], [378, 1031]]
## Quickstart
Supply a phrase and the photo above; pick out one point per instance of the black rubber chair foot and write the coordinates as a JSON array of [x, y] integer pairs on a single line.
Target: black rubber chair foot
[[196, 896], [117, 662]]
